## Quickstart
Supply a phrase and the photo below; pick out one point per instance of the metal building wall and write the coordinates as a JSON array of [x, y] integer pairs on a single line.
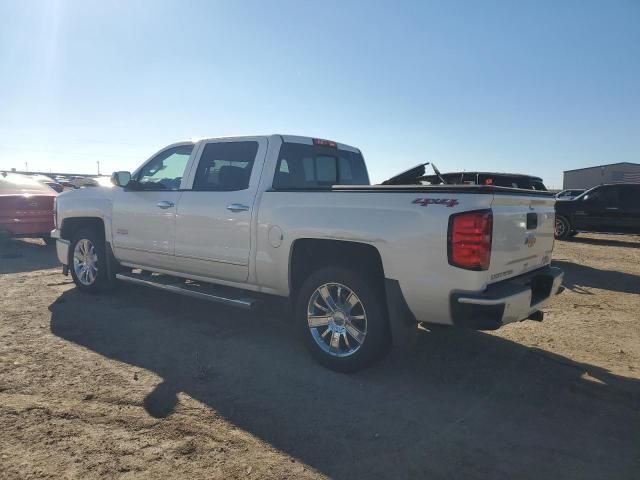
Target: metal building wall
[[625, 173], [585, 178], [590, 177]]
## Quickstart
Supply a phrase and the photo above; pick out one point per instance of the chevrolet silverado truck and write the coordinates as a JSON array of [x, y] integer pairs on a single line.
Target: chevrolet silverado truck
[[232, 220]]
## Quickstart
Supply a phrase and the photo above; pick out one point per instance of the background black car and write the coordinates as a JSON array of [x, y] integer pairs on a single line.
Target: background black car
[[605, 208], [512, 180], [569, 193]]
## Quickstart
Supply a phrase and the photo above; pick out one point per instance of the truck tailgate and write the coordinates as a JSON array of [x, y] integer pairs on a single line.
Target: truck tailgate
[[523, 227]]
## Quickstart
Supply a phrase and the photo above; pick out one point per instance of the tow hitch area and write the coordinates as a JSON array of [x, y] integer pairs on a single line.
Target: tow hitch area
[[536, 316]]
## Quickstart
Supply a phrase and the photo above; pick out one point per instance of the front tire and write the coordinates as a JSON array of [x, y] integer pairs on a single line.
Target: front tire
[[342, 319], [87, 261], [563, 228]]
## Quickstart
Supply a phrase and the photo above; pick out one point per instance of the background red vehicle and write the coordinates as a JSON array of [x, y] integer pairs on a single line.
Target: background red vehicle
[[26, 207]]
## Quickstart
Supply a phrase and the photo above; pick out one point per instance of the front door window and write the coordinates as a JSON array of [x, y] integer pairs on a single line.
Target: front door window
[[165, 171]]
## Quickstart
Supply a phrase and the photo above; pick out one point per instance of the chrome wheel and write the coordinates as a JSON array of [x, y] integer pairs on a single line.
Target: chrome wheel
[[561, 228], [337, 319], [85, 262]]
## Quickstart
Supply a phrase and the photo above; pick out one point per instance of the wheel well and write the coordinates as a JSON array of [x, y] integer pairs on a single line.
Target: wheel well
[[565, 218], [71, 225], [310, 254]]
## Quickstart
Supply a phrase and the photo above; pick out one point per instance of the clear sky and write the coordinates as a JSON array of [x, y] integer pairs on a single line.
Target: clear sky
[[534, 87]]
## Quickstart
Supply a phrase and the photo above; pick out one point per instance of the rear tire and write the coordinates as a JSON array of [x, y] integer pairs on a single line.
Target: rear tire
[[563, 228], [342, 319], [88, 260]]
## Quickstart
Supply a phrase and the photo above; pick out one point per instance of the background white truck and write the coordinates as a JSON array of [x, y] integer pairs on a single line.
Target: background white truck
[[232, 219]]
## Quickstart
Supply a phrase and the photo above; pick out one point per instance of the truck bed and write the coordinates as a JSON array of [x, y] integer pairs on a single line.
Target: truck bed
[[481, 189]]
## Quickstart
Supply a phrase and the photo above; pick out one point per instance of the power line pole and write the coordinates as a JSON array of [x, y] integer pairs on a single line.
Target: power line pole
[[98, 162]]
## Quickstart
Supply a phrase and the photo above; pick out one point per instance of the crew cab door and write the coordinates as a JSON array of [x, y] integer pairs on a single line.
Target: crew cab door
[[599, 210], [213, 223], [144, 212], [630, 208]]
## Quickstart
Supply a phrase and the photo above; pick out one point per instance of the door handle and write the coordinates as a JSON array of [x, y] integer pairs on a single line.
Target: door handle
[[237, 207], [164, 204], [612, 208]]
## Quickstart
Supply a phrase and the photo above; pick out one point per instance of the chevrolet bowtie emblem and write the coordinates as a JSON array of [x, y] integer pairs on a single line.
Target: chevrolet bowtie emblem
[[530, 241]]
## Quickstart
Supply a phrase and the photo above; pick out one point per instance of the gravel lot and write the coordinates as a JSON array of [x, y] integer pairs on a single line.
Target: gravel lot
[[141, 384]]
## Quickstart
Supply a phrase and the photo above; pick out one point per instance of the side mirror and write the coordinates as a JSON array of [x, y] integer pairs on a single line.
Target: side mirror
[[121, 179]]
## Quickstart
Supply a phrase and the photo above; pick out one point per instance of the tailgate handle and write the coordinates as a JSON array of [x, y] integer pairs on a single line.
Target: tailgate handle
[[532, 221]]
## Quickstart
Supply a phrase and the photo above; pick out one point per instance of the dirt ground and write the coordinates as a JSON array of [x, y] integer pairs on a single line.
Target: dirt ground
[[141, 384]]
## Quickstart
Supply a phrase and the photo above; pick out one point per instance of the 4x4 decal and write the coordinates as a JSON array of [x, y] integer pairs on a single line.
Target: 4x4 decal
[[449, 202]]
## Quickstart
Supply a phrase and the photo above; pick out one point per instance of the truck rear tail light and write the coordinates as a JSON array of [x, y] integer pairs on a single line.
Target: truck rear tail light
[[469, 239], [55, 212], [325, 143]]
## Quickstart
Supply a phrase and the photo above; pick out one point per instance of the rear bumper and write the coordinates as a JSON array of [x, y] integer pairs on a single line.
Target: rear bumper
[[32, 227], [62, 247], [504, 302]]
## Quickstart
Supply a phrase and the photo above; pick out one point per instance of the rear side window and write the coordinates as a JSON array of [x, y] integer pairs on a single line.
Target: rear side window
[[314, 166], [225, 166], [630, 195], [604, 195]]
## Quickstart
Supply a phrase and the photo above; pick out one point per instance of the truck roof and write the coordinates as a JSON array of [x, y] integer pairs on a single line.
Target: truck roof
[[285, 138], [473, 172]]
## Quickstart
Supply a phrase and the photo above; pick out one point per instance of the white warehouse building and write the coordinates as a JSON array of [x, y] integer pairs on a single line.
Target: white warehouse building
[[623, 172]]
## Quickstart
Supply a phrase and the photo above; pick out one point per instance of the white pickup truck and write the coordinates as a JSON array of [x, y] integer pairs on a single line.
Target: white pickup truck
[[234, 219]]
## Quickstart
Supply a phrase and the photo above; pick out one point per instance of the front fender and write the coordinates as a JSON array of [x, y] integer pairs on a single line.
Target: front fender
[[89, 202]]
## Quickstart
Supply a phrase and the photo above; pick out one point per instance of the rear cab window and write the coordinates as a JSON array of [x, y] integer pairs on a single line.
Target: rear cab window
[[511, 181], [604, 195], [302, 166]]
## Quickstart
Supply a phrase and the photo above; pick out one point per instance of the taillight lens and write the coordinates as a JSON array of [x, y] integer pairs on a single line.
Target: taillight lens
[[470, 239], [55, 212]]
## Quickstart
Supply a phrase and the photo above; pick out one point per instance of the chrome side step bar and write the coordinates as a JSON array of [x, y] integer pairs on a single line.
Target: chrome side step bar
[[208, 292]]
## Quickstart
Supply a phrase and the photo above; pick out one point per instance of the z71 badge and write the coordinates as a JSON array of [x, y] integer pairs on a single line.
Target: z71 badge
[[449, 202]]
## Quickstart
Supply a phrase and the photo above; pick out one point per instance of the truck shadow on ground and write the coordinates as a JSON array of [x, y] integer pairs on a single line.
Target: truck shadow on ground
[[461, 404], [17, 256], [610, 240], [578, 277]]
